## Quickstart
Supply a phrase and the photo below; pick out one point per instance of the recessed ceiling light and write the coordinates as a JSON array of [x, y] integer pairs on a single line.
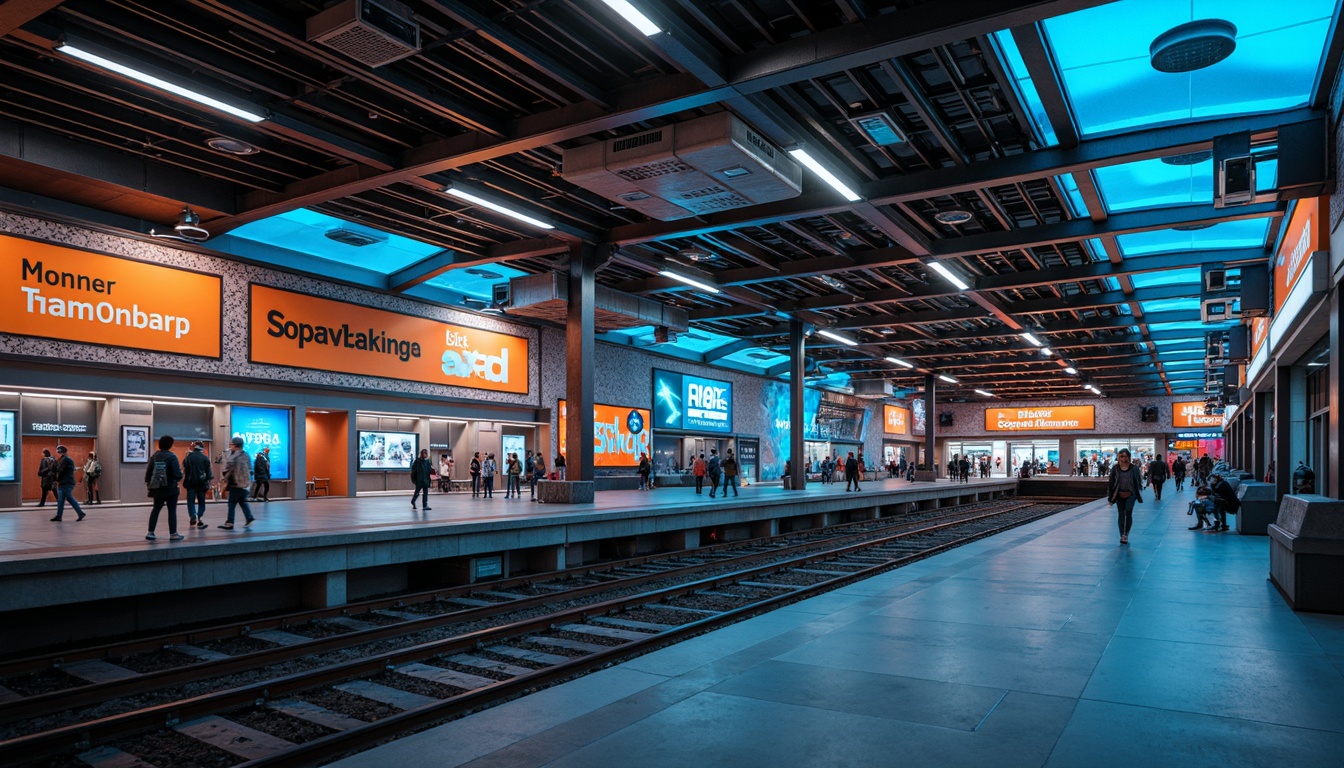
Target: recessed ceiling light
[[1071, 371], [954, 217], [1193, 46], [231, 146]]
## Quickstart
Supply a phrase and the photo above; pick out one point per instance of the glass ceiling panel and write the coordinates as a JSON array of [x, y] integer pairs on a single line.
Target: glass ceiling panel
[[696, 341], [475, 281], [1193, 325], [1102, 54], [1169, 305], [1156, 183], [1026, 89], [1071, 193], [1228, 234], [1182, 363], [1167, 277], [756, 358], [1169, 342], [306, 231]]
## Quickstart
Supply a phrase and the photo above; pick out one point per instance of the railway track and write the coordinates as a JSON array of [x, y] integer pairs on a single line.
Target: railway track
[[304, 687]]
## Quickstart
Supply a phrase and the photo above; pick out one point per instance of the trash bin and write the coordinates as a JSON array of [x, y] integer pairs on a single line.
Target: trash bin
[[1259, 508]]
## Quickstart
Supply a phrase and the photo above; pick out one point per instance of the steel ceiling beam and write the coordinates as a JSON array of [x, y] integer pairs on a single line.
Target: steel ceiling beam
[[1130, 266], [16, 13]]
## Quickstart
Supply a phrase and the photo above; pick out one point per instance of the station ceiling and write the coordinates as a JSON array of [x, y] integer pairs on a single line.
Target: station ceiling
[[1082, 172]]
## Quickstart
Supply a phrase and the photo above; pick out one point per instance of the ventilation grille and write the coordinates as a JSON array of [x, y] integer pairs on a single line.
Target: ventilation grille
[[372, 33]]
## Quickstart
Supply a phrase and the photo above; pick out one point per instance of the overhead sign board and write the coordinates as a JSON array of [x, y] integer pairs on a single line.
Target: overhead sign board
[[1205, 435], [54, 292], [1306, 232], [302, 331], [620, 434], [692, 403], [1191, 414], [895, 420], [1043, 419]]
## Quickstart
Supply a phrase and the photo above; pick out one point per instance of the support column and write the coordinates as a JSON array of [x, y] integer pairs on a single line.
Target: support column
[[796, 451], [1260, 452], [579, 364], [1333, 474], [323, 590], [930, 421]]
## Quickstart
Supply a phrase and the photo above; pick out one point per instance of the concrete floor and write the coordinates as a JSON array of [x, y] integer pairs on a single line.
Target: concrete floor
[[1048, 645]]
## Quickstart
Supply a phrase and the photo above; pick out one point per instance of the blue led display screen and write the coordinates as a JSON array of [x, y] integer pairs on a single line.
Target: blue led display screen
[[692, 403], [263, 428]]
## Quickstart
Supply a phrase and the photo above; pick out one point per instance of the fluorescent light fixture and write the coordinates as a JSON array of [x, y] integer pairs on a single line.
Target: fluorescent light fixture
[[1071, 371], [947, 273], [812, 165], [1047, 351], [9, 394], [155, 82], [62, 397], [178, 402], [1032, 340], [631, 14], [900, 362], [833, 336], [496, 207], [947, 378], [983, 392], [706, 287]]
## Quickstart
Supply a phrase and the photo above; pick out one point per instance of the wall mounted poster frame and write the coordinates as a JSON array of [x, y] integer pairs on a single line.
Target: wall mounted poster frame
[[134, 444]]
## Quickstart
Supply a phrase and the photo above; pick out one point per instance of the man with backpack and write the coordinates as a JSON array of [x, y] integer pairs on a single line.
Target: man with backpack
[[1224, 501], [714, 470], [161, 478], [196, 476], [538, 472], [729, 468]]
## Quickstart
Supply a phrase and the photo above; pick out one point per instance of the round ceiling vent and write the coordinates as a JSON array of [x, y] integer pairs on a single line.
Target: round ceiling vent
[[1194, 45], [231, 146], [954, 217], [697, 254], [1194, 227], [1189, 158]]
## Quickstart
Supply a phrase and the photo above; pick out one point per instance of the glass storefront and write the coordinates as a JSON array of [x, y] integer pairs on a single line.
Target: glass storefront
[[1100, 453], [994, 450]]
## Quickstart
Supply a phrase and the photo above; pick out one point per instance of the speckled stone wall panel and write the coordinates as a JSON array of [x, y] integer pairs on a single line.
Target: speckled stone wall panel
[[236, 278]]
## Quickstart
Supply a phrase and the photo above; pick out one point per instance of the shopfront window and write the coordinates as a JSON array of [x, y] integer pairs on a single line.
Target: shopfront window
[[1100, 453], [1318, 420]]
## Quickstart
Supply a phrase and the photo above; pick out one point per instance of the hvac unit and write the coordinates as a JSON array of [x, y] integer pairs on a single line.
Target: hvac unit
[[1220, 310], [709, 164], [372, 32], [1304, 159], [872, 388]]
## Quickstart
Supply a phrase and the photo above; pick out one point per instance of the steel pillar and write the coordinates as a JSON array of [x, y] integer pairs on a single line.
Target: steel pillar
[[579, 363], [797, 452], [930, 421]]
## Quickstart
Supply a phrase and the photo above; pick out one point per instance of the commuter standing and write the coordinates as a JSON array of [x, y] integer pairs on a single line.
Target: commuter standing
[[488, 469], [900, 466], [538, 472], [560, 466], [851, 473], [644, 470], [1123, 491], [1082, 467], [476, 474], [530, 474], [513, 477], [261, 475], [863, 465], [161, 478], [714, 469], [46, 472], [1157, 475], [63, 478], [235, 477], [196, 477], [729, 473], [421, 469], [698, 469], [93, 469], [965, 469], [445, 473]]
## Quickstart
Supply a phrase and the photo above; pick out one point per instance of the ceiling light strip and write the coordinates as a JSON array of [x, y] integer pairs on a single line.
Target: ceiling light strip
[[706, 287], [156, 82], [633, 15], [948, 274], [833, 336], [497, 208], [812, 165]]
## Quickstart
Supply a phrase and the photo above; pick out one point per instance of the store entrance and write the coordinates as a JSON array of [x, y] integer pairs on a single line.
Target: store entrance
[[1043, 455], [327, 447], [78, 448]]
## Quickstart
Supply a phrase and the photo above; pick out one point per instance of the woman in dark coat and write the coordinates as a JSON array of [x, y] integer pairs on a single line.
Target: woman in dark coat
[[1122, 490], [1157, 475]]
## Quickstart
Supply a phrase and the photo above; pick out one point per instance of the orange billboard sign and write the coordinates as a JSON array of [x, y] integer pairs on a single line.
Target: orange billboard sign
[[620, 434], [302, 331], [56, 292], [895, 420], [1191, 414], [1044, 419], [1307, 230]]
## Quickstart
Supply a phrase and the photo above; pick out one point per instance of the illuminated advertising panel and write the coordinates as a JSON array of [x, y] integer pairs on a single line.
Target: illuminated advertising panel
[[1307, 231], [387, 451], [692, 403], [895, 420], [620, 434], [301, 331], [1190, 415], [1044, 419], [55, 292], [9, 443], [263, 428]]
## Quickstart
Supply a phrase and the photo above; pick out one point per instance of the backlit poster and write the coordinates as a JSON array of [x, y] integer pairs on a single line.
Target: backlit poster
[[387, 451], [779, 426], [692, 403], [515, 444], [9, 443], [1190, 414], [620, 434], [895, 420], [263, 428], [1059, 417]]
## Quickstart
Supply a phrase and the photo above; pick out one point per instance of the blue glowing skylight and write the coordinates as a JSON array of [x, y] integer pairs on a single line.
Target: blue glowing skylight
[[1193, 325], [1016, 68], [1170, 342], [475, 281], [305, 231], [1154, 183], [755, 357], [1182, 363], [1166, 277], [696, 341], [1169, 305], [1247, 233], [1102, 54], [1071, 193]]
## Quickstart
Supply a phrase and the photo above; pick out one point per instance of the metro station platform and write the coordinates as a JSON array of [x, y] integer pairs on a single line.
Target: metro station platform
[[1047, 645], [72, 578]]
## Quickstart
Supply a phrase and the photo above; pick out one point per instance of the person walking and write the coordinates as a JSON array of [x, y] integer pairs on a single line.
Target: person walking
[[538, 472], [645, 468], [1178, 473], [851, 472], [559, 466], [261, 475], [1157, 475], [63, 478], [729, 468], [513, 473], [445, 473], [162, 477], [698, 470], [46, 472], [476, 474], [1123, 487], [93, 469], [235, 477], [196, 477], [530, 474], [488, 469], [421, 469], [714, 470]]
